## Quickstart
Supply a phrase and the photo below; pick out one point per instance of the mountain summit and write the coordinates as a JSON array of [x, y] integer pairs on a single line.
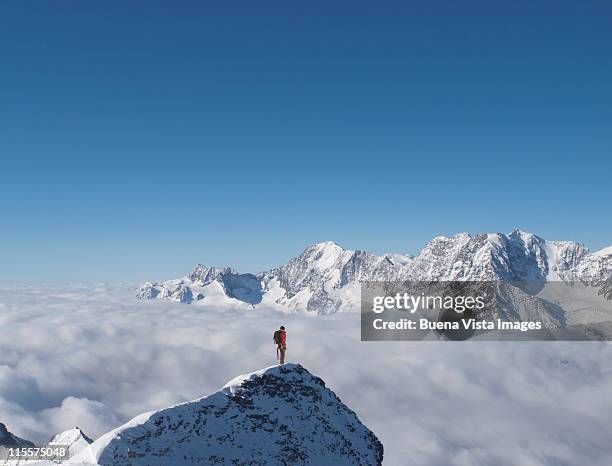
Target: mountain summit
[[277, 416], [73, 438], [325, 277]]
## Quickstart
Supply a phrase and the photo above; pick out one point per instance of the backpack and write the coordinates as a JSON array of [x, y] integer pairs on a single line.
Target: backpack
[[277, 337]]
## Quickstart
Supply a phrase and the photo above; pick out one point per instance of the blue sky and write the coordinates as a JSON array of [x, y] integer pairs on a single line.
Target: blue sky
[[138, 138]]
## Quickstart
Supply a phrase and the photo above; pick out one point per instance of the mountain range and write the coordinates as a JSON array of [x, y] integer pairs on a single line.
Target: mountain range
[[325, 278]]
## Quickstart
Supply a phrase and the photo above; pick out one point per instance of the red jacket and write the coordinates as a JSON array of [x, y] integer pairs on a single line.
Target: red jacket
[[283, 338]]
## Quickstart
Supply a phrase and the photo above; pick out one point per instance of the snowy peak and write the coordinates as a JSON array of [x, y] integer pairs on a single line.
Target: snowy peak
[[73, 438], [202, 275], [7, 439], [325, 246], [523, 236], [206, 283], [277, 416], [323, 255], [314, 266], [325, 277], [452, 258]]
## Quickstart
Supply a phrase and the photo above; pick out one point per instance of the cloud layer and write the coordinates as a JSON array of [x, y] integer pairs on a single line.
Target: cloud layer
[[94, 356]]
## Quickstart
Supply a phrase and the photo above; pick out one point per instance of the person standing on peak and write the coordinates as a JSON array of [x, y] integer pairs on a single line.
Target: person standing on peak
[[280, 339]]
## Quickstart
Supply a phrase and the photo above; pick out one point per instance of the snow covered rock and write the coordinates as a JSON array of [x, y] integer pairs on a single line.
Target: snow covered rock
[[203, 275], [313, 281], [73, 438], [277, 416]]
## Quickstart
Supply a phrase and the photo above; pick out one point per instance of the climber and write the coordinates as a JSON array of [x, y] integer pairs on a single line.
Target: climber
[[280, 339]]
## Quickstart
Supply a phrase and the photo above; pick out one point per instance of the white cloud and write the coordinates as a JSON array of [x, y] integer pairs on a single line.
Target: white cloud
[[96, 356]]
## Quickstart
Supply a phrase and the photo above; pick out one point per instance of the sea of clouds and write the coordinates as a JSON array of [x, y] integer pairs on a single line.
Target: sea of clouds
[[94, 356]]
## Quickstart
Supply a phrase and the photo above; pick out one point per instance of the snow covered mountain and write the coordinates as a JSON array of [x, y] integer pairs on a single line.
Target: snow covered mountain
[[325, 278], [213, 283], [518, 256], [73, 438], [277, 416]]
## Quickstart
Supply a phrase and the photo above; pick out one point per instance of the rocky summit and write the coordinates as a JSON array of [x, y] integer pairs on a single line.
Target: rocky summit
[[277, 416]]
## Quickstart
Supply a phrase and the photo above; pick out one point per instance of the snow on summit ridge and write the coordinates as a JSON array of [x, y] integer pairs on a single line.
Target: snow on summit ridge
[[276, 416], [325, 277], [73, 438]]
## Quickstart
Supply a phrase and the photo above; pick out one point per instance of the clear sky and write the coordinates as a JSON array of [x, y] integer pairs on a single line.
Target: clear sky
[[139, 138]]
